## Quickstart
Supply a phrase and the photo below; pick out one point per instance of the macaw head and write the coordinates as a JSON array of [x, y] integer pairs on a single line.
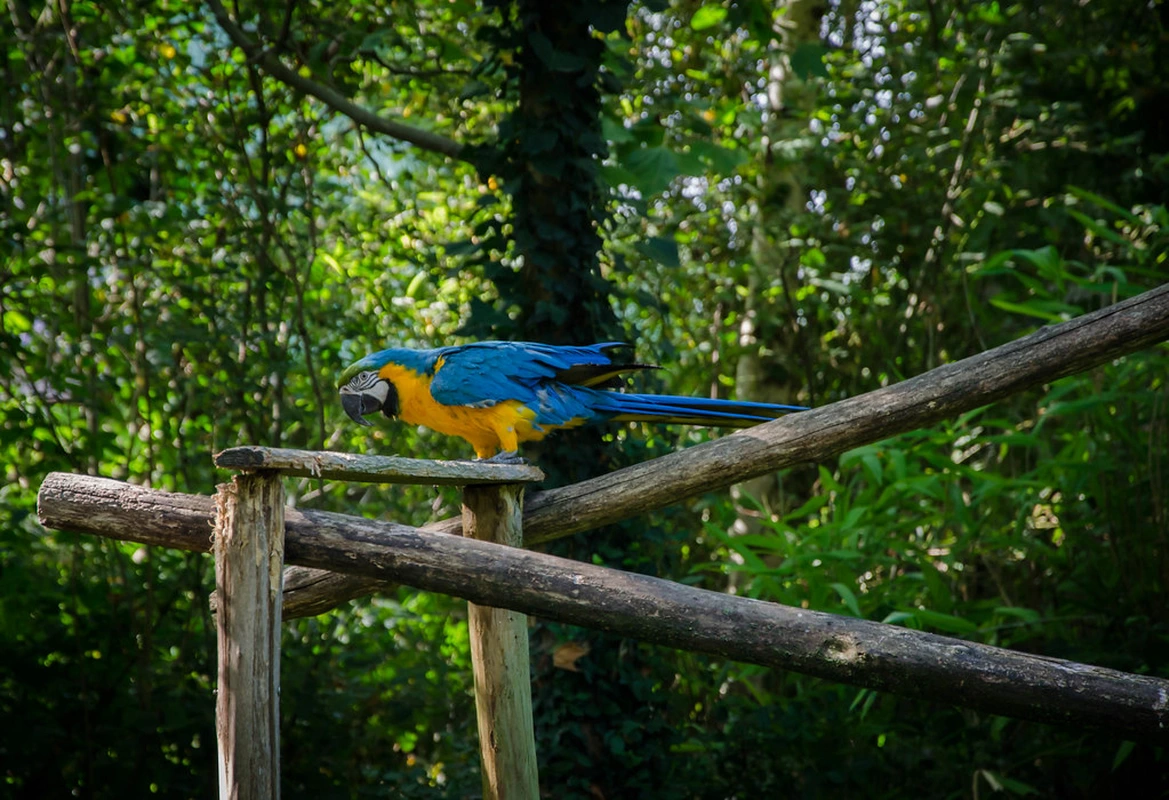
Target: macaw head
[[368, 385], [364, 391]]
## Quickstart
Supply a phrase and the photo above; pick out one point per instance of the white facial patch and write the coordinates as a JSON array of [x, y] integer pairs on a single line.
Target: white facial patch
[[367, 383]]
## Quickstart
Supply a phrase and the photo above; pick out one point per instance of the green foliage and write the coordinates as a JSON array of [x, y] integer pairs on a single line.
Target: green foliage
[[190, 251], [1000, 527], [547, 154], [393, 708]]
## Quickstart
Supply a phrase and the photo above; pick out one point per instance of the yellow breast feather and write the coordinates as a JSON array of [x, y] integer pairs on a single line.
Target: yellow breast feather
[[489, 429]]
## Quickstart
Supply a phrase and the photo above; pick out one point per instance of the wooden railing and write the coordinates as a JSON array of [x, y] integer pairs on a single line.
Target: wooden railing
[[336, 557]]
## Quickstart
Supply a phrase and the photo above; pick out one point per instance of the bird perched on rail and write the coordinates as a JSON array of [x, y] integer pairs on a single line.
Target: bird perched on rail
[[496, 395]]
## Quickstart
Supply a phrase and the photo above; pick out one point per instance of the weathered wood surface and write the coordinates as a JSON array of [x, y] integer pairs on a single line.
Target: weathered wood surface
[[132, 513], [499, 657], [856, 652], [809, 436], [249, 565], [375, 469]]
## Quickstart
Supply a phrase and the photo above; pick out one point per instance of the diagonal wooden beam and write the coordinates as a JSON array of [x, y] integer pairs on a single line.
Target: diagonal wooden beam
[[1048, 354]]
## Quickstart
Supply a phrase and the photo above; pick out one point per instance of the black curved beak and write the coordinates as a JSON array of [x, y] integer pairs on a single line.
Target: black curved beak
[[358, 405]]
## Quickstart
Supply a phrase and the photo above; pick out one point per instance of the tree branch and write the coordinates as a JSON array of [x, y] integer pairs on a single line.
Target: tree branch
[[857, 652], [330, 96]]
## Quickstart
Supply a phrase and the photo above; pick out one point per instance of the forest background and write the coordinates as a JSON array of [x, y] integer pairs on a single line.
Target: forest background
[[207, 212]]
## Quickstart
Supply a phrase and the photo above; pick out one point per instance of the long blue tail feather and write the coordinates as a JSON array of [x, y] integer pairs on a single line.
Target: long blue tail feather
[[688, 410]]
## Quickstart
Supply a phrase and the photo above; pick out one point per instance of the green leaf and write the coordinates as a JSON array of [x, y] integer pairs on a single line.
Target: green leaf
[[652, 168], [1106, 204], [416, 283], [808, 61], [838, 555], [1122, 754], [1046, 260], [539, 140], [849, 598], [1017, 787], [815, 503], [616, 744], [828, 480], [897, 617], [861, 697], [722, 160], [853, 517], [554, 59], [474, 88], [991, 779], [614, 130], [708, 17], [464, 248], [1015, 439], [661, 249], [834, 286], [608, 17], [814, 257], [1045, 310], [1098, 228], [689, 163], [751, 560], [997, 264], [616, 175], [873, 466], [945, 622], [1028, 615], [549, 164], [15, 322]]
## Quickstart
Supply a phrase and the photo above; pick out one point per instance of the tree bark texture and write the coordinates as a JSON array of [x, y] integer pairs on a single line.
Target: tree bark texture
[[500, 659], [249, 565], [857, 652]]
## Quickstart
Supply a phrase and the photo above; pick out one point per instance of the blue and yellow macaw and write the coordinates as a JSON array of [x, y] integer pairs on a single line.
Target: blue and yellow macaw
[[498, 394]]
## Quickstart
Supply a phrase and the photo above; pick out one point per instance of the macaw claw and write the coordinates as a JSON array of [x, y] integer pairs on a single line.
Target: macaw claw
[[506, 457]]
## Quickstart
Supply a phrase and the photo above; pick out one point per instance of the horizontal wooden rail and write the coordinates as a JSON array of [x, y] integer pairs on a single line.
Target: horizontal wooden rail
[[1042, 357], [858, 652], [375, 469]]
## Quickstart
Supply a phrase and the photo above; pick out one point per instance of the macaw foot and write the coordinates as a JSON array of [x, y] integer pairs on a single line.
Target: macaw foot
[[506, 457]]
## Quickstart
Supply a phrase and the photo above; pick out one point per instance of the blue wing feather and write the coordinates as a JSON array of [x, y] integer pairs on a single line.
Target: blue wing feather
[[485, 373], [495, 371]]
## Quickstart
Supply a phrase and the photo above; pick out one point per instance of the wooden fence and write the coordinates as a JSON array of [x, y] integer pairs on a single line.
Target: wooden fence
[[336, 557]]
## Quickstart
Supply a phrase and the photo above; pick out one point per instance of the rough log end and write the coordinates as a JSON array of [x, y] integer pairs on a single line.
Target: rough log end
[[240, 458]]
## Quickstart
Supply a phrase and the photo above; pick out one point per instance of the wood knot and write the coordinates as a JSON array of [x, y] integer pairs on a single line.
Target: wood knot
[[841, 649]]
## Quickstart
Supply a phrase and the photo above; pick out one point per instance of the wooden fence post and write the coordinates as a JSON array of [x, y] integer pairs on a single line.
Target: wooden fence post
[[249, 564], [499, 657]]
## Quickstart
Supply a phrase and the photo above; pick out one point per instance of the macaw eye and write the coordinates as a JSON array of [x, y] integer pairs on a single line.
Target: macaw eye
[[362, 381]]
